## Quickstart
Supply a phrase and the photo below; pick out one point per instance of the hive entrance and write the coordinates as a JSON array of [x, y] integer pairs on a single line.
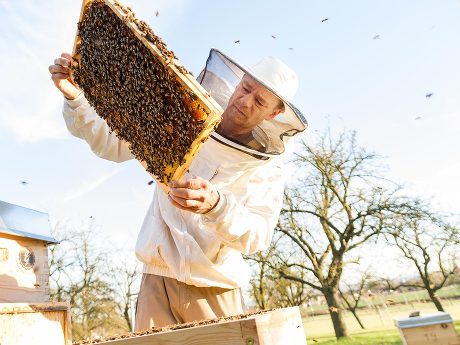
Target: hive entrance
[[140, 89]]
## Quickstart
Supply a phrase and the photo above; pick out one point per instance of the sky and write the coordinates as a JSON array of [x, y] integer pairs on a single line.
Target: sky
[[363, 65]]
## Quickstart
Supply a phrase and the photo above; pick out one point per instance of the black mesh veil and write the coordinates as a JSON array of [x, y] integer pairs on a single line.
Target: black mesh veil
[[220, 78]]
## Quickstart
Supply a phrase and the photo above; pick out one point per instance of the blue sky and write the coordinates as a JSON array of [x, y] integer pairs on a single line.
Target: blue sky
[[348, 79]]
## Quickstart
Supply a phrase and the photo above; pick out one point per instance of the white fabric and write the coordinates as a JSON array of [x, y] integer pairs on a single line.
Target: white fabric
[[201, 250], [277, 75]]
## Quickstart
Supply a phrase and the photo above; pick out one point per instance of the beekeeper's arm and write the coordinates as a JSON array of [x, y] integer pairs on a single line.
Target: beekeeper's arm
[[246, 226], [82, 120]]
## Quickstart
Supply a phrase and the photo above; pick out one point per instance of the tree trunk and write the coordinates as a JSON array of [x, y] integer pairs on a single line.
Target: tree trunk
[[436, 300], [332, 300], [263, 303], [128, 317]]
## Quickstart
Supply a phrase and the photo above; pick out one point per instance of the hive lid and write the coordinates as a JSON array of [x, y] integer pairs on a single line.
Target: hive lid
[[420, 321], [24, 222]]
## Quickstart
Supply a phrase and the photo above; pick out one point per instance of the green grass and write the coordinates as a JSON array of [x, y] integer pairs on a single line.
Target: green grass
[[366, 338], [388, 337]]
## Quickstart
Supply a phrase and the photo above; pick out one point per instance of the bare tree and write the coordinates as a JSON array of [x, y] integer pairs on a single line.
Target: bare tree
[[262, 281], [60, 263], [270, 292], [430, 243], [338, 203], [292, 293], [354, 293], [127, 279], [80, 273]]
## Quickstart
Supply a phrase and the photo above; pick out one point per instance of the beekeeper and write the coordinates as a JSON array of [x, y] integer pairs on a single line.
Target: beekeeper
[[192, 239]]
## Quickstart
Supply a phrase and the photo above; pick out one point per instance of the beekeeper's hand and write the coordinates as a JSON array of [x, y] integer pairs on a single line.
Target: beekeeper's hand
[[60, 75], [195, 195]]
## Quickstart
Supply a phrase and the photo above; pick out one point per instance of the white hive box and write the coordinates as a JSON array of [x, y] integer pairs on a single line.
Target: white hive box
[[433, 329], [24, 238]]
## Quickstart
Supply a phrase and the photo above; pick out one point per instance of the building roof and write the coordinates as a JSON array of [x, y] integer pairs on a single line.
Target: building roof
[[23, 222]]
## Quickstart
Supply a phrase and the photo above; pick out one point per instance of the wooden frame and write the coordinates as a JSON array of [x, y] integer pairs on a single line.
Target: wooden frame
[[281, 326], [186, 80], [40, 323]]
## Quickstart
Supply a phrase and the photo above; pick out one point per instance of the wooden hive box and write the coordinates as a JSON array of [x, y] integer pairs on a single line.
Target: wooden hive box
[[199, 104], [24, 239], [433, 329], [281, 326], [38, 324]]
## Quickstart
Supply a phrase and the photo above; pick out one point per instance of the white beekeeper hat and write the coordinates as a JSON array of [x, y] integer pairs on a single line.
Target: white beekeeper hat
[[276, 76], [220, 78]]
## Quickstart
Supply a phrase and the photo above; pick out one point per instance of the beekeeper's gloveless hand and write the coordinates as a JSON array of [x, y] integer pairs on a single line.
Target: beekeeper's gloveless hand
[[195, 195], [60, 75]]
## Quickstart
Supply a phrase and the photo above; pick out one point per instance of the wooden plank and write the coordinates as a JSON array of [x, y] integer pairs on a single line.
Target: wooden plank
[[15, 308], [174, 67], [43, 323], [229, 333], [14, 294], [273, 327], [84, 4]]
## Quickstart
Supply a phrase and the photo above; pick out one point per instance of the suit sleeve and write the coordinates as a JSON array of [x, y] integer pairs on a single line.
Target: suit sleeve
[[83, 122]]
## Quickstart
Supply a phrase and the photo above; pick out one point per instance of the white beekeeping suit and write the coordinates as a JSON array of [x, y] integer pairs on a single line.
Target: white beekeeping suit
[[206, 249]]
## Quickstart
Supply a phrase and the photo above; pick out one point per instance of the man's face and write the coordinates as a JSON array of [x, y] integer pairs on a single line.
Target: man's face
[[250, 104]]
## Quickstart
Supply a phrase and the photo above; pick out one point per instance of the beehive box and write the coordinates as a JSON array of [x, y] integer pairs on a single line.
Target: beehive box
[[24, 238], [281, 326], [140, 88], [24, 272], [41, 323], [433, 329]]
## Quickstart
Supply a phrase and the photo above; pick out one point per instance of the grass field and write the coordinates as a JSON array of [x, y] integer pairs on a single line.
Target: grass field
[[385, 337], [380, 329]]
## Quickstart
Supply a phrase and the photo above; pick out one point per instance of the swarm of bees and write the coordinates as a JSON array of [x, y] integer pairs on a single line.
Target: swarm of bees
[[141, 101]]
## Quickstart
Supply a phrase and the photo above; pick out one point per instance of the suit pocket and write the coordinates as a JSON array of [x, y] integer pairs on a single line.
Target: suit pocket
[[203, 168]]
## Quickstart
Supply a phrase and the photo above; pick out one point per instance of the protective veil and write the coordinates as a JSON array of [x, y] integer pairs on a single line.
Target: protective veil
[[220, 78]]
